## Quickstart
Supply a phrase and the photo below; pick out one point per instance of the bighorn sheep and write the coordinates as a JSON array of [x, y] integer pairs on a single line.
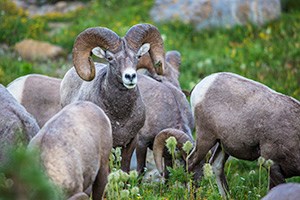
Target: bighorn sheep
[[248, 120], [39, 94], [16, 124], [112, 86], [74, 148], [286, 191], [167, 113]]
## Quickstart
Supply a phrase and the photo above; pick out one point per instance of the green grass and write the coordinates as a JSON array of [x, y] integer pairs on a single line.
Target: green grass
[[269, 54]]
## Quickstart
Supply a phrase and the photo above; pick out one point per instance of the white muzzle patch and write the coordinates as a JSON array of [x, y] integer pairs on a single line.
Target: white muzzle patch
[[129, 78]]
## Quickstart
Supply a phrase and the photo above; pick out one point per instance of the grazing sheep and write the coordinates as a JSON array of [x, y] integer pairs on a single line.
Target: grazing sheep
[[39, 94], [112, 86], [16, 124], [247, 120], [74, 148], [286, 191], [167, 110], [169, 73]]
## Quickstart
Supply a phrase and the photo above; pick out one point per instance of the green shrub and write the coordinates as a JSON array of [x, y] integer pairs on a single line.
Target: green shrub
[[16, 25], [21, 177]]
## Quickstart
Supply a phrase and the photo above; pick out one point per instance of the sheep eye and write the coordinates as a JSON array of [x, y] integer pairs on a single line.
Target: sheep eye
[[109, 58]]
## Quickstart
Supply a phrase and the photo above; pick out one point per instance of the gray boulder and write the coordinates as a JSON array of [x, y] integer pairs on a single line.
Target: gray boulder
[[216, 13]]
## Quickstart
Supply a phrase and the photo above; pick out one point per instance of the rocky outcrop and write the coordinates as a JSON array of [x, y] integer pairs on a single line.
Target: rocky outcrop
[[216, 13], [30, 49]]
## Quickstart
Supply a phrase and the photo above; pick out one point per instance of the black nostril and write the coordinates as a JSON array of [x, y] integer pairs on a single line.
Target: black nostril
[[130, 77], [127, 76]]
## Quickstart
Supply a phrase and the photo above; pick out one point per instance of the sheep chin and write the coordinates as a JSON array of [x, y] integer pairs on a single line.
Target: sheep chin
[[130, 85]]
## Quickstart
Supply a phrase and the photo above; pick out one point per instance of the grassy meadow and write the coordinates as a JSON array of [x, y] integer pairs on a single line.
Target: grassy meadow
[[269, 54]]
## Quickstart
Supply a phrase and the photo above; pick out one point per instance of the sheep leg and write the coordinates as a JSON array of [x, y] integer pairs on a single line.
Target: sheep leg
[[276, 176], [204, 143], [127, 154], [100, 182], [218, 161], [141, 154]]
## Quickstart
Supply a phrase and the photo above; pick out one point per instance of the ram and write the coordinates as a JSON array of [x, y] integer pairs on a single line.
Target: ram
[[247, 120], [16, 124], [74, 147], [39, 94], [168, 112], [113, 86], [287, 191]]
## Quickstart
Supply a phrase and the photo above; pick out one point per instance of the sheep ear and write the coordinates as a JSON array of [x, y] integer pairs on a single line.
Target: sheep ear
[[97, 51], [143, 49]]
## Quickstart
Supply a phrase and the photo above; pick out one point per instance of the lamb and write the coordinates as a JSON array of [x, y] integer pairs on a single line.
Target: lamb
[[247, 120], [74, 147], [39, 94], [16, 124], [113, 86], [287, 191]]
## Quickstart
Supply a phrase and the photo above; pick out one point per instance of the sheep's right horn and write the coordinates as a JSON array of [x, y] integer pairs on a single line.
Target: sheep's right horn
[[160, 140], [147, 33], [85, 42]]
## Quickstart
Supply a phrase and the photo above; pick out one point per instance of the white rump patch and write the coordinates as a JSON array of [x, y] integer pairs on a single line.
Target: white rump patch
[[200, 90], [16, 88]]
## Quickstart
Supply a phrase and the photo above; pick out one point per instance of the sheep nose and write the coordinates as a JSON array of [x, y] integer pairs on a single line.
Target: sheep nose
[[130, 77]]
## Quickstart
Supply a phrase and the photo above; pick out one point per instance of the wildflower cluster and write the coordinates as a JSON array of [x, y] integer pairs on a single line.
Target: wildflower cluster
[[122, 185]]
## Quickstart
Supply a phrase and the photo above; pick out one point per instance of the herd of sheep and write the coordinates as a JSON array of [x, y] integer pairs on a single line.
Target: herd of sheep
[[133, 100]]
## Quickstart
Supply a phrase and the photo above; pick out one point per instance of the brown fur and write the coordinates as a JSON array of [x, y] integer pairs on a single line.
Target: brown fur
[[249, 120], [40, 95], [74, 147], [16, 124]]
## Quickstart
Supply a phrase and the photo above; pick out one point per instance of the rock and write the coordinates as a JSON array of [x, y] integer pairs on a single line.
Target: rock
[[30, 49], [42, 8], [216, 13]]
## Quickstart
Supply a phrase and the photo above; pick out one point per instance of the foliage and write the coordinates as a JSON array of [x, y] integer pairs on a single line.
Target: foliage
[[21, 177], [16, 25]]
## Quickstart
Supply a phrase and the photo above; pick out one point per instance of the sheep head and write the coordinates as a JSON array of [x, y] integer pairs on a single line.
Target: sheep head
[[160, 141], [122, 54]]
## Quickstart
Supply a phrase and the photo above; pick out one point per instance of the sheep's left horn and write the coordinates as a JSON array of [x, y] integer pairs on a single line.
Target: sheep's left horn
[[160, 140], [147, 33]]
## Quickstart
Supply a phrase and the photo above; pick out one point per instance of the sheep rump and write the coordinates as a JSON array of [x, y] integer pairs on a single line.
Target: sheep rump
[[249, 120]]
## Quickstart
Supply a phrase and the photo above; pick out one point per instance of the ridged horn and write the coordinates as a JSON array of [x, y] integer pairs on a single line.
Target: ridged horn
[[85, 42], [139, 34], [160, 141]]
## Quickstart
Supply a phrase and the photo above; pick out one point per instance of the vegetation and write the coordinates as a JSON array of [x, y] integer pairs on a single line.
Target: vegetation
[[269, 54]]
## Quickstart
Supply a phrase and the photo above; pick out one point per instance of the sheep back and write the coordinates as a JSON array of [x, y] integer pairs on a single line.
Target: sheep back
[[249, 119], [39, 94], [16, 124], [74, 144]]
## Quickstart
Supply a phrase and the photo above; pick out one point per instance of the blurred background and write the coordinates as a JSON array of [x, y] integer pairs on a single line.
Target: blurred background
[[258, 39]]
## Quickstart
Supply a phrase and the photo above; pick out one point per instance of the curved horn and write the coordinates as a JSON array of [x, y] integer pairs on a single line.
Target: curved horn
[[85, 42], [160, 140], [147, 33]]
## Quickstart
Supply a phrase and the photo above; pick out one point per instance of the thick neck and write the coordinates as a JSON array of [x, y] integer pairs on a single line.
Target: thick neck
[[118, 100]]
